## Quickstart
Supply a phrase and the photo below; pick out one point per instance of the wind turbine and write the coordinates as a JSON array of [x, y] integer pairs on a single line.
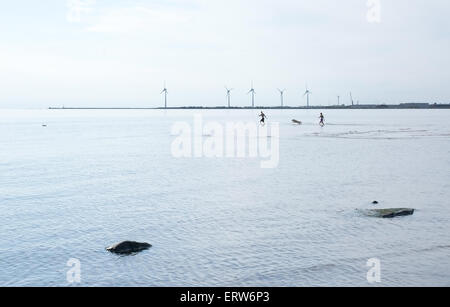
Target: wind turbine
[[307, 93], [351, 98], [165, 92], [252, 90], [282, 96], [339, 100], [229, 95]]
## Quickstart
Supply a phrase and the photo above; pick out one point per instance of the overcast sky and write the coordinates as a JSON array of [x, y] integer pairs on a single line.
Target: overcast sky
[[119, 52]]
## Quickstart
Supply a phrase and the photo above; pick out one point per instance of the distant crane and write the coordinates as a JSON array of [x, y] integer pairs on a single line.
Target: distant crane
[[252, 90], [165, 92], [282, 96]]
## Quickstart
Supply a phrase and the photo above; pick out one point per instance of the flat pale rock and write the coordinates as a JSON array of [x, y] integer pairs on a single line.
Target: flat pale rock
[[128, 247], [389, 213]]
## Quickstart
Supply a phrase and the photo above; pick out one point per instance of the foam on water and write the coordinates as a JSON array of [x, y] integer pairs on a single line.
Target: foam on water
[[93, 178]]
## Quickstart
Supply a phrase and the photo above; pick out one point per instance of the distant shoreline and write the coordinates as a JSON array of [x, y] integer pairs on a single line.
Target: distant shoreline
[[354, 107]]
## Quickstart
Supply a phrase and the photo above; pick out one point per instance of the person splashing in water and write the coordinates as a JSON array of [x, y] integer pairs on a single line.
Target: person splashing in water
[[322, 120], [263, 118]]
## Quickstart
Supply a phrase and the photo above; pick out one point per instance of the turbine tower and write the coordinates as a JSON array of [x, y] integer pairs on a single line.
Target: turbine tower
[[282, 96], [252, 90], [229, 95], [351, 98], [165, 92], [339, 100], [307, 93]]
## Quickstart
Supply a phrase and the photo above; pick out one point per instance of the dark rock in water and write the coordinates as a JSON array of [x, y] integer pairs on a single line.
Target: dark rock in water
[[375, 202], [397, 212], [390, 213], [128, 247]]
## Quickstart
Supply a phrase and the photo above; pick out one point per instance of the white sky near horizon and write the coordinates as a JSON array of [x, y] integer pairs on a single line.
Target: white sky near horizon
[[119, 52]]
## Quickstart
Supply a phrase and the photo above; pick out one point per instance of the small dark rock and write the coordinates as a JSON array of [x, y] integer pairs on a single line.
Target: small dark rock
[[128, 247]]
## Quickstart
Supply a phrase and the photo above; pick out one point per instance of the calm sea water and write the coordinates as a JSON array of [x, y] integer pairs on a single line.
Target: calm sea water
[[93, 178]]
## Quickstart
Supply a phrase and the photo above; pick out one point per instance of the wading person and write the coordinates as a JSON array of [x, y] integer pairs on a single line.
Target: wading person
[[322, 120], [263, 118]]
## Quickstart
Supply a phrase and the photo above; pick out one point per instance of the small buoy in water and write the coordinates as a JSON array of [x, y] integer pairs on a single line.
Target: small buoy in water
[[375, 202], [44, 125]]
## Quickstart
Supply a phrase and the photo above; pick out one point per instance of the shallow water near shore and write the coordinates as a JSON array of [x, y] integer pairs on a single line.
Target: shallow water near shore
[[92, 178]]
